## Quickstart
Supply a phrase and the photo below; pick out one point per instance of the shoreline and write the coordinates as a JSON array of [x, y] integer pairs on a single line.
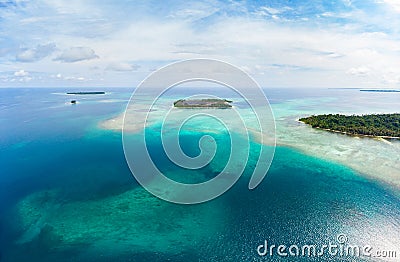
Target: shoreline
[[346, 150], [394, 187], [349, 134], [381, 125], [358, 166], [357, 135]]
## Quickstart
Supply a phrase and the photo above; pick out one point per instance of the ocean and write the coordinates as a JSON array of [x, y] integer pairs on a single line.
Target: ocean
[[67, 194]]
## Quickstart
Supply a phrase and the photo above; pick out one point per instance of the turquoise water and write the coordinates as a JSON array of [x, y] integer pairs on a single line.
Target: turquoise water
[[66, 194]]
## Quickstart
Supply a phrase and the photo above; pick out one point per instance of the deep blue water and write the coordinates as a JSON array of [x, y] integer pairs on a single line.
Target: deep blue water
[[47, 143]]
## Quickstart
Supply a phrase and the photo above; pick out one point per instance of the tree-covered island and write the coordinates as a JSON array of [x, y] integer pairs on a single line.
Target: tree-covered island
[[203, 103], [87, 93], [377, 125]]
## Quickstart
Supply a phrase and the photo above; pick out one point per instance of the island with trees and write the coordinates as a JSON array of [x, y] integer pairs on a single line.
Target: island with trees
[[87, 93], [203, 103], [380, 90], [374, 125]]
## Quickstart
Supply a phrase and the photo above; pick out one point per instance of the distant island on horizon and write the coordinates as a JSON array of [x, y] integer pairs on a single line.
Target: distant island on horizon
[[380, 90], [203, 103], [87, 93], [374, 125]]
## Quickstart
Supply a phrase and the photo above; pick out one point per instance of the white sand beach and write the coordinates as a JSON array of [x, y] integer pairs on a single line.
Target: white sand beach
[[375, 158]]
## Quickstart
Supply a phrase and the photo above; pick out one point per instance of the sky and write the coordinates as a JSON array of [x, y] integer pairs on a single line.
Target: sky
[[286, 43]]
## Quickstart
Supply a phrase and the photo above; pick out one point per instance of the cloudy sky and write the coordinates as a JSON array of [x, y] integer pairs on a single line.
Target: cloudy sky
[[281, 43]]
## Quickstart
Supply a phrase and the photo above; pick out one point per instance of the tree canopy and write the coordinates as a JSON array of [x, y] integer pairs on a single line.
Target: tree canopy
[[372, 125]]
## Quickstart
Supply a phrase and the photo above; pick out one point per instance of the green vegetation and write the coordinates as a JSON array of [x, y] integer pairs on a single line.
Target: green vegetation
[[380, 90], [385, 125], [87, 93], [203, 103]]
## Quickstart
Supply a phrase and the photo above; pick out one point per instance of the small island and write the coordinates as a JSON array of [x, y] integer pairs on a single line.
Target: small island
[[376, 125], [203, 103], [380, 90], [87, 93]]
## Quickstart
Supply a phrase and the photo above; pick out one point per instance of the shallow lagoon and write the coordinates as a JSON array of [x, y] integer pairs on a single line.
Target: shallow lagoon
[[67, 193]]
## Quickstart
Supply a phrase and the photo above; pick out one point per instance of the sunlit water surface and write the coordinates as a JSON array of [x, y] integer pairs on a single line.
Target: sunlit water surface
[[67, 194]]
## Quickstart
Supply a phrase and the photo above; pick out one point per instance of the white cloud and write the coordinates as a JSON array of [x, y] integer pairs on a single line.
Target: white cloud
[[302, 49], [275, 11], [359, 71], [76, 54], [57, 76], [36, 54], [25, 79], [395, 4], [391, 76], [21, 73], [348, 2], [121, 67], [75, 78], [194, 13], [21, 76]]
